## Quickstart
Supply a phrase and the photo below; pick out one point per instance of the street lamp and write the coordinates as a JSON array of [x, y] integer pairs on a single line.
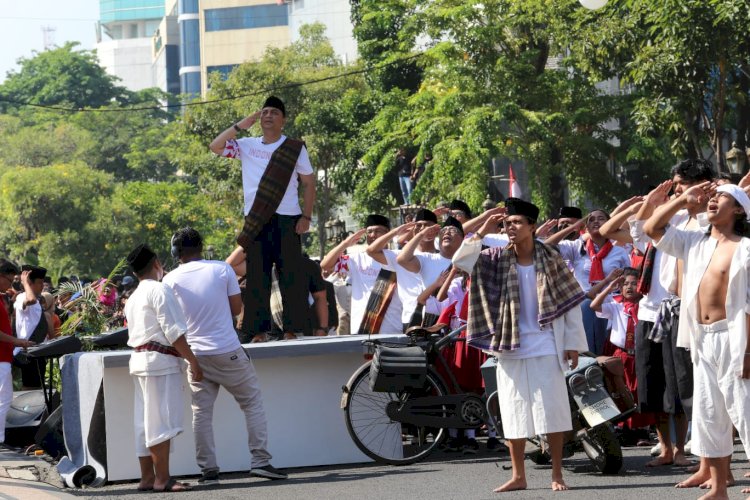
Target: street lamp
[[735, 159], [488, 204]]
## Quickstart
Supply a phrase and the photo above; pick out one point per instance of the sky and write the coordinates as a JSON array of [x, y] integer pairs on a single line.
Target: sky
[[21, 27]]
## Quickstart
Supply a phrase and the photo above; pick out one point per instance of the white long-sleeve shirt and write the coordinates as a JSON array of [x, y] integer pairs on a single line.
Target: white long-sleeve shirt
[[154, 315]]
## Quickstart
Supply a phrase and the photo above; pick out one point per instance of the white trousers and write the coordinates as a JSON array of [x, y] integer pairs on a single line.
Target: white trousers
[[159, 408], [533, 397], [6, 395], [721, 399]]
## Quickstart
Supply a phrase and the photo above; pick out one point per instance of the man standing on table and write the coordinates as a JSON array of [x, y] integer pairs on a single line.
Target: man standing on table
[[273, 166], [524, 306], [714, 316], [209, 295], [156, 332]]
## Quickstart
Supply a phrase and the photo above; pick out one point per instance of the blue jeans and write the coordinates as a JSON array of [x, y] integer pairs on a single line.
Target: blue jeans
[[405, 184], [595, 328]]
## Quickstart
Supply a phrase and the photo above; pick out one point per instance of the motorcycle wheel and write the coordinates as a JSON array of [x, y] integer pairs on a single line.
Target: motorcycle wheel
[[602, 447]]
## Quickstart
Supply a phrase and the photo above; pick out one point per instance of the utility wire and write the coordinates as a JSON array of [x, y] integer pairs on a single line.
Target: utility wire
[[212, 101]]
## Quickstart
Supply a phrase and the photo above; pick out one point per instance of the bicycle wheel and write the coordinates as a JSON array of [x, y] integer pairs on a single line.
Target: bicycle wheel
[[379, 437]]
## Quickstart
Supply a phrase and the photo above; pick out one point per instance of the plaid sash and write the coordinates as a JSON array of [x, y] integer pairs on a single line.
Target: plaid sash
[[157, 347], [647, 270], [378, 302], [494, 307], [271, 189]]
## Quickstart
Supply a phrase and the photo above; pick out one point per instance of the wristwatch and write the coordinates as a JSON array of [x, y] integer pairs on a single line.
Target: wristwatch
[[237, 128]]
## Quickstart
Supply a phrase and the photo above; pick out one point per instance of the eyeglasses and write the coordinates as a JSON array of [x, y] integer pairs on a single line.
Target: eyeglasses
[[449, 229]]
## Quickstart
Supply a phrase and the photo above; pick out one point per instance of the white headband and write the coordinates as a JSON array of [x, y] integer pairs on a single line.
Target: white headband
[[738, 194]]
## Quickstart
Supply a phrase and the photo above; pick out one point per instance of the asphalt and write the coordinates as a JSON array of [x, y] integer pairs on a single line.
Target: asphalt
[[441, 476]]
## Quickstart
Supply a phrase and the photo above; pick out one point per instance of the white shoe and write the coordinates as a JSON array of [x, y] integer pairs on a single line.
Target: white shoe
[[656, 450]]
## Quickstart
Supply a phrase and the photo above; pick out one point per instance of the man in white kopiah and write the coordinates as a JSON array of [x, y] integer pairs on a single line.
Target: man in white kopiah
[[714, 316]]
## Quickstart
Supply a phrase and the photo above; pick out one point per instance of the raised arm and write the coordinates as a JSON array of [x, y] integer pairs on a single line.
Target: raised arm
[[329, 261], [30, 297], [654, 199], [433, 287], [443, 292], [375, 249], [601, 292], [472, 225], [613, 229], [406, 258], [563, 233], [217, 145], [693, 197]]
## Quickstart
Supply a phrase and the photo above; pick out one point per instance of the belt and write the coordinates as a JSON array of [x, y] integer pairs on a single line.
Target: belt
[[157, 347]]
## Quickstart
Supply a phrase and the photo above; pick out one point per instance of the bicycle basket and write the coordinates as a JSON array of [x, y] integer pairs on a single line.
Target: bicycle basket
[[395, 369]]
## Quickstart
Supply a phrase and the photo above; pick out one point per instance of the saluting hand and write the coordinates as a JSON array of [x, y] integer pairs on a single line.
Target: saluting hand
[[249, 121]]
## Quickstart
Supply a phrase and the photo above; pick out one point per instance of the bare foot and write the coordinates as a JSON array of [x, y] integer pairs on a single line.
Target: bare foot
[[513, 484], [146, 485], [745, 490], [747, 474], [707, 485], [659, 461], [693, 481], [680, 460], [713, 496], [559, 486], [290, 336], [694, 468]]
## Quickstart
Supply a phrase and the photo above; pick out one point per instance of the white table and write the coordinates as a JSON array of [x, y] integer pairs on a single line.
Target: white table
[[301, 381]]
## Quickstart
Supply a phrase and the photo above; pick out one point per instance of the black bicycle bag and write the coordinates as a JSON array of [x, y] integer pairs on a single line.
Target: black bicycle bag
[[395, 369]]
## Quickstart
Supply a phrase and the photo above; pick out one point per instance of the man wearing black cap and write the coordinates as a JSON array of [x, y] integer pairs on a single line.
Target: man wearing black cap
[[156, 332], [428, 266], [566, 218], [524, 306], [408, 284], [375, 305], [273, 167], [460, 211], [30, 322]]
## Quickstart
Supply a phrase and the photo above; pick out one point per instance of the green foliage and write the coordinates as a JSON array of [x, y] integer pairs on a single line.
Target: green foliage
[[62, 75]]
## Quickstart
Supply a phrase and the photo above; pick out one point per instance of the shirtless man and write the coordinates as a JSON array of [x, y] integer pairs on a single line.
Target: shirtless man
[[714, 301]]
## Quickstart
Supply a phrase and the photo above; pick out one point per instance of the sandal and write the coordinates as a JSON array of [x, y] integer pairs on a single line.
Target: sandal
[[170, 487]]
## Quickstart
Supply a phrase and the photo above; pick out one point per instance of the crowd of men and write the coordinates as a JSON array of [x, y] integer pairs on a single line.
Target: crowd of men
[[532, 294]]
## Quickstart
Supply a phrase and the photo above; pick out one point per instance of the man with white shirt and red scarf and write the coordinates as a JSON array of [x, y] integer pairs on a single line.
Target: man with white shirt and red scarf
[[525, 306], [156, 332], [714, 317]]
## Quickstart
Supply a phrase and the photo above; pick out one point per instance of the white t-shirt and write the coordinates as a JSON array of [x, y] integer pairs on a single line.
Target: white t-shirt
[[615, 313], [408, 284], [364, 271], [617, 258], [26, 319], [535, 342], [203, 288], [255, 156]]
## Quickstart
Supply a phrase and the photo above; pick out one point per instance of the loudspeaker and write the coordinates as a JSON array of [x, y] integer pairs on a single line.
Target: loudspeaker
[[26, 410], [49, 437]]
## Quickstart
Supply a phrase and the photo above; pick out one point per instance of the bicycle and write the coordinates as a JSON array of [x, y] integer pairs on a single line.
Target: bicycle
[[405, 426]]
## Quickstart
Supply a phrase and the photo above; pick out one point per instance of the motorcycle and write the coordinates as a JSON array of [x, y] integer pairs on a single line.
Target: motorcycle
[[598, 399]]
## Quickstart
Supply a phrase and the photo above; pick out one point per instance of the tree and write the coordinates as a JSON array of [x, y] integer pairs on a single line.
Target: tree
[[328, 115], [488, 91], [688, 64], [59, 76]]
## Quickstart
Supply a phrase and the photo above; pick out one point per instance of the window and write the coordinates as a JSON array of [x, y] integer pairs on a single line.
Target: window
[[238, 18]]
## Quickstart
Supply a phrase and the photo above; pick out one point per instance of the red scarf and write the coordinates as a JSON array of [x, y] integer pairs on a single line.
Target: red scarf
[[631, 311], [596, 273]]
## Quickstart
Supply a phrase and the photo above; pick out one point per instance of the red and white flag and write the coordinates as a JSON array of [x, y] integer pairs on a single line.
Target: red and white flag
[[515, 189]]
